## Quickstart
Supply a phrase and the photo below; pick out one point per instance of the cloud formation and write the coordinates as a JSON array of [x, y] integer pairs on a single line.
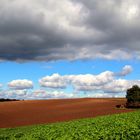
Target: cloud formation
[[13, 94], [36, 94], [54, 81], [69, 29], [106, 82], [41, 94], [127, 69], [0, 85], [20, 84]]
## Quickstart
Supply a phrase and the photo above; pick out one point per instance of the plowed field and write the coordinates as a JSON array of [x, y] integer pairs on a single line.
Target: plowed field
[[21, 113]]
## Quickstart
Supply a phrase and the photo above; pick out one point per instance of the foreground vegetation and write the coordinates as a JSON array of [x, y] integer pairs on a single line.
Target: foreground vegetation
[[114, 127]]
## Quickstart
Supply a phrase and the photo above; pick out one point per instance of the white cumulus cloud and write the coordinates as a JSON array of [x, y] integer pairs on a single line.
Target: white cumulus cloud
[[107, 82], [20, 84], [54, 81]]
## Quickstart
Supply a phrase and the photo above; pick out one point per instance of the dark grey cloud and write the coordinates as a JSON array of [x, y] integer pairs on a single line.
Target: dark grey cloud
[[48, 30]]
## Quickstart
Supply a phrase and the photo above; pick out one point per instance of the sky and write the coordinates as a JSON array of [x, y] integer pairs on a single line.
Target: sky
[[68, 48]]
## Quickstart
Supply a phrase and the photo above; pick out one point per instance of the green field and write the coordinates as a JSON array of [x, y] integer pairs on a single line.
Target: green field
[[114, 127]]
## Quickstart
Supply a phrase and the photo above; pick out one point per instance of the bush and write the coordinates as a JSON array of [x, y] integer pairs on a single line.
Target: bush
[[133, 96]]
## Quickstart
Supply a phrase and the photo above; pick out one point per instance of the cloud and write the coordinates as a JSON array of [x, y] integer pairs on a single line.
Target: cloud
[[20, 84], [125, 71], [89, 82], [119, 85], [78, 81], [43, 94], [49, 31], [106, 82], [54, 81], [36, 94], [1, 85], [13, 94], [100, 95]]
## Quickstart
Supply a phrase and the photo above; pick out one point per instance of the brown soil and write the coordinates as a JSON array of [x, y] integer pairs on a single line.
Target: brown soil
[[21, 113]]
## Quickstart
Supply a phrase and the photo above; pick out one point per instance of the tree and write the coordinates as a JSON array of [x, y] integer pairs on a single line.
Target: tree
[[133, 96]]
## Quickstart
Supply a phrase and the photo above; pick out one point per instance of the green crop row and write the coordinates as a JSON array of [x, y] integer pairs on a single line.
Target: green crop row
[[113, 127]]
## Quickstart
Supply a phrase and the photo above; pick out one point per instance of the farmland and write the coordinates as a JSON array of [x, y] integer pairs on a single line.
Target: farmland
[[23, 113], [124, 126]]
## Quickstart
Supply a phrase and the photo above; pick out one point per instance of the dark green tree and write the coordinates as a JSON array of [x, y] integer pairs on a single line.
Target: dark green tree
[[133, 96]]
